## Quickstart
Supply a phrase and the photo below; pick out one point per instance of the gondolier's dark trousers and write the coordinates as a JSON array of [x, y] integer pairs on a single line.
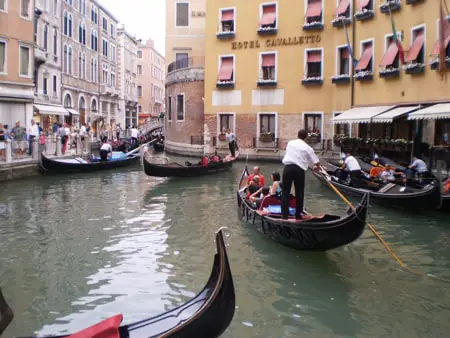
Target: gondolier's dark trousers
[[293, 174], [232, 146]]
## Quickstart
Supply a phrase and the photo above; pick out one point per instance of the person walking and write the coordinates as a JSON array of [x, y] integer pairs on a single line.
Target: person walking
[[231, 139], [299, 156]]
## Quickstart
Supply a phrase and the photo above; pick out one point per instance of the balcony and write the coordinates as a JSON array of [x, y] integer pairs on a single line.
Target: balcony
[[106, 90], [197, 140], [191, 62], [186, 70], [40, 55], [390, 6]]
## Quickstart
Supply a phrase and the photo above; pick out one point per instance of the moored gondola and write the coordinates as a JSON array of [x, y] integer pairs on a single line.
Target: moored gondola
[[179, 170], [206, 315], [119, 160], [406, 197], [312, 233]]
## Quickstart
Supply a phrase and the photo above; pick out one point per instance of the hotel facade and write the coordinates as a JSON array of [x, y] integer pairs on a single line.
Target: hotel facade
[[273, 68]]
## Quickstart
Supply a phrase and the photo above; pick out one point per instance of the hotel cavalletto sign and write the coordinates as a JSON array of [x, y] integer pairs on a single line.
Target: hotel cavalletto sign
[[278, 42]]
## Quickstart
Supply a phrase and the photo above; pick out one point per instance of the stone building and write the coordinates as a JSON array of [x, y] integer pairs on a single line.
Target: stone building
[[127, 77], [79, 57], [16, 61], [151, 81]]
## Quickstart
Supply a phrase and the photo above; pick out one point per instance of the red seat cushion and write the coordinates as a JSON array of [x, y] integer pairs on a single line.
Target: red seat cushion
[[109, 328]]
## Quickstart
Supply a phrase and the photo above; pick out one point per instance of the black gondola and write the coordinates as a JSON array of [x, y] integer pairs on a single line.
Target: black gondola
[[314, 234], [206, 315], [158, 146], [410, 197], [79, 165], [179, 170]]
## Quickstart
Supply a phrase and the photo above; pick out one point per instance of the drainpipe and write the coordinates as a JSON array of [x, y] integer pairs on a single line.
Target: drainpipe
[[352, 94]]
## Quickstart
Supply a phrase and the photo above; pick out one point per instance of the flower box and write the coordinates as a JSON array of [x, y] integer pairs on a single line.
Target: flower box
[[365, 14], [313, 26], [414, 68], [266, 138], [394, 5], [390, 72], [435, 63], [310, 81], [267, 83], [363, 76], [225, 35], [225, 84], [222, 137], [267, 31], [313, 139], [413, 2], [340, 21], [340, 79]]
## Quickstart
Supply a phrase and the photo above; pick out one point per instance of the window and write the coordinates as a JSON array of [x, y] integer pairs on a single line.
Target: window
[[169, 108], [182, 13], [55, 41], [105, 76], [25, 9], [343, 61], [113, 79], [3, 57], [70, 25], [25, 63], [139, 91], [55, 86], [94, 40], [94, 107], [112, 31], [94, 14], [313, 11], [82, 33], [341, 128], [227, 20], [343, 9], [94, 70], [437, 46], [267, 124], [105, 24], [182, 60], [226, 121], [268, 14], [391, 56], [55, 8], [65, 58], [416, 53], [82, 6], [70, 2], [105, 48], [67, 24], [313, 64], [139, 70], [365, 63], [113, 53], [80, 65], [45, 37], [44, 86], [366, 5], [313, 124], [139, 54], [226, 69], [70, 60], [268, 67], [3, 5], [180, 107]]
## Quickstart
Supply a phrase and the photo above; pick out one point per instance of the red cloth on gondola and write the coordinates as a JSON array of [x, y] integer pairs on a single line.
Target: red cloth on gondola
[[109, 328], [446, 186]]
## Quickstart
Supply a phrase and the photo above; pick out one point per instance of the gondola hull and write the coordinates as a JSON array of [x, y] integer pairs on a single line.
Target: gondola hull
[[206, 315], [316, 234], [70, 166], [178, 170], [158, 147]]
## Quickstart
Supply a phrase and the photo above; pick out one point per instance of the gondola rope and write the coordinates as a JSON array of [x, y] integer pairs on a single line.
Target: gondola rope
[[378, 236]]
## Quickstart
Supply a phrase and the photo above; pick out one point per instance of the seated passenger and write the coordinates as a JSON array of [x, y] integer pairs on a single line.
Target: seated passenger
[[215, 158], [253, 187], [275, 188], [256, 172], [204, 161], [387, 176], [259, 195]]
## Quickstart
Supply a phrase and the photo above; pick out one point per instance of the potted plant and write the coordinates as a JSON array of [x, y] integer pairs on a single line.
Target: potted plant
[[266, 137], [222, 137]]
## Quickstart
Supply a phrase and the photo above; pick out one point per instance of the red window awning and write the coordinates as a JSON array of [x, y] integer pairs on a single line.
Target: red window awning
[[363, 4], [437, 46], [314, 8], [314, 56], [342, 8], [228, 15], [415, 48], [268, 60], [269, 15], [390, 55], [345, 54], [365, 58], [226, 69]]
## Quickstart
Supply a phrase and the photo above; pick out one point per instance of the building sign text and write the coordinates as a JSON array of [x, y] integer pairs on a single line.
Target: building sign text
[[278, 42]]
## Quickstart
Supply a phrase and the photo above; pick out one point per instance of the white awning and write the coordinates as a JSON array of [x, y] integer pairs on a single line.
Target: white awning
[[45, 109], [73, 112], [389, 116], [436, 112], [360, 115]]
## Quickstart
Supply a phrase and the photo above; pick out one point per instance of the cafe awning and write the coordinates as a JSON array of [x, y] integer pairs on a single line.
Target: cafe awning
[[45, 109], [389, 116], [435, 112], [73, 112], [360, 115]]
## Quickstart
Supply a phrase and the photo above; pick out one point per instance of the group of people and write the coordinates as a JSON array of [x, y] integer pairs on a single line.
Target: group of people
[[21, 138]]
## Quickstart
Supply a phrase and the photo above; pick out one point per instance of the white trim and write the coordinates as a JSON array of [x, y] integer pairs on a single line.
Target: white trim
[[276, 63], [333, 126], [224, 9], [81, 96], [305, 56], [66, 92], [5, 41], [258, 122], [264, 4], [361, 43], [219, 131], [184, 107], [234, 64], [30, 16], [5, 10], [424, 46], [306, 3], [92, 103], [337, 61], [189, 13], [322, 114], [30, 57]]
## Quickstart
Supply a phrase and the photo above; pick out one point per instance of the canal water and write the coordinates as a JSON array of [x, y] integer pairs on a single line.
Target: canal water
[[78, 248]]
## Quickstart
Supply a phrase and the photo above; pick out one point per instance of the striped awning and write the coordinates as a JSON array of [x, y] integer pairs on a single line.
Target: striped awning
[[45, 109], [389, 116], [360, 115], [435, 112]]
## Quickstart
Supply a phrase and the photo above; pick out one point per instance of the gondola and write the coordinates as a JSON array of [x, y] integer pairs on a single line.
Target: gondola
[[410, 197], [179, 170], [312, 233], [206, 315], [158, 146], [118, 160]]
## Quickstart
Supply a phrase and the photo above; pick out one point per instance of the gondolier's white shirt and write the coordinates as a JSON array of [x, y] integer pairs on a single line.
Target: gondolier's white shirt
[[298, 152]]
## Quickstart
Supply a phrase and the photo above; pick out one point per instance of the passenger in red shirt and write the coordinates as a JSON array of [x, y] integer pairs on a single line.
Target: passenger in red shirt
[[256, 172], [215, 158]]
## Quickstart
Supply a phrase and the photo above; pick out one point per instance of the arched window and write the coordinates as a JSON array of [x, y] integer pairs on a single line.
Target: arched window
[[80, 69], [65, 68], [94, 39], [70, 60], [67, 101], [82, 103], [69, 24], [84, 66], [66, 23], [94, 105]]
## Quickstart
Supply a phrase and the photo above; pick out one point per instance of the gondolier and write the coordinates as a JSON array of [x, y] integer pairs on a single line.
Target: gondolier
[[106, 151], [231, 139], [299, 156]]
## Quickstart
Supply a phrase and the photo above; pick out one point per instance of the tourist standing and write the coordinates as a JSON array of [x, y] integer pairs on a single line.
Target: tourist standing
[[42, 143], [18, 134], [299, 156], [231, 139], [33, 133], [83, 132]]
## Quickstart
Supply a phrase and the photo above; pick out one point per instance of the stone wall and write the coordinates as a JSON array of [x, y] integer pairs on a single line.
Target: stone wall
[[15, 171]]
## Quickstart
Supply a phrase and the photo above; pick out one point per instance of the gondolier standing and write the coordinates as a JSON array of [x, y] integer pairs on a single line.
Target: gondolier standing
[[299, 156], [231, 139]]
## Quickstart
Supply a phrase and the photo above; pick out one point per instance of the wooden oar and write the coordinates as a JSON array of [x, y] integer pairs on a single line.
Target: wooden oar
[[139, 148]]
